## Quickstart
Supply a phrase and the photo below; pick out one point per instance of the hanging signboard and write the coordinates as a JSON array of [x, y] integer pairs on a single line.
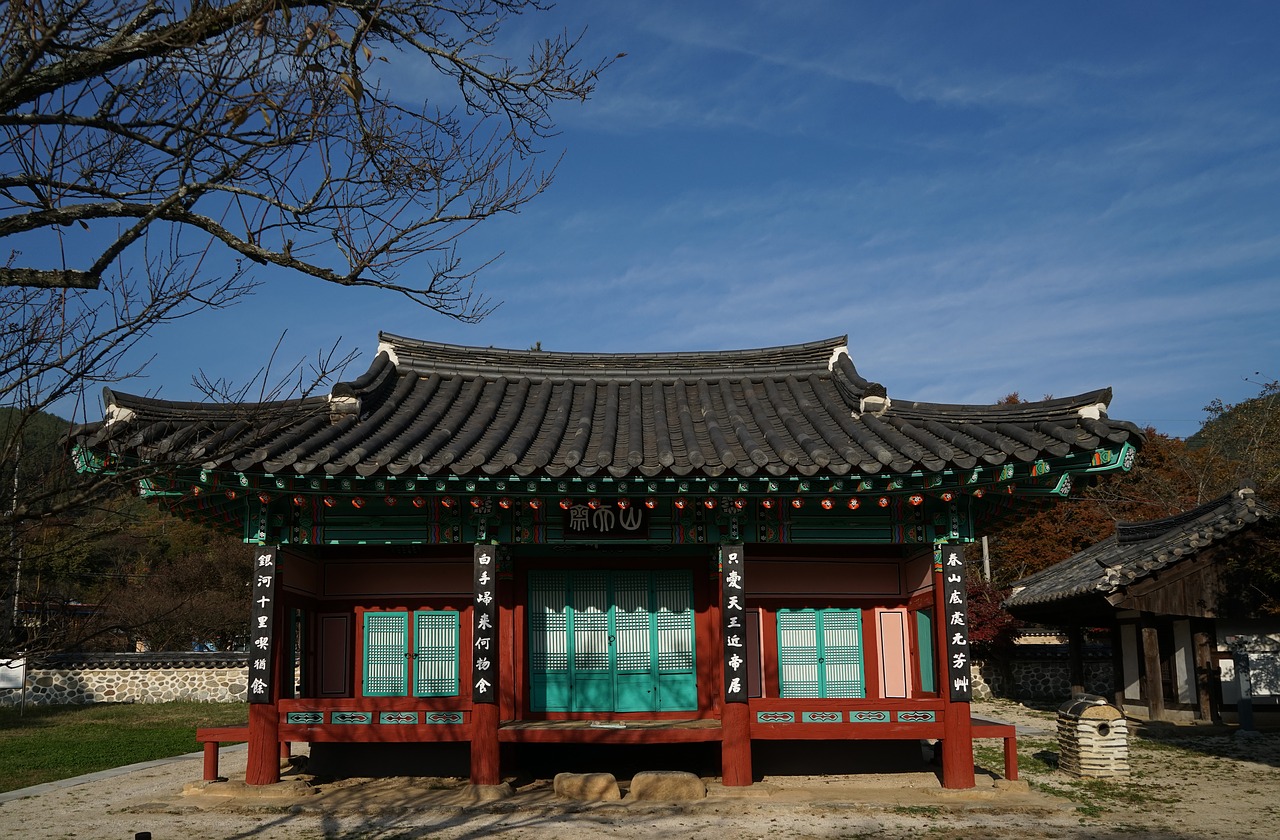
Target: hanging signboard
[[262, 624], [955, 600], [733, 612], [484, 615], [581, 520]]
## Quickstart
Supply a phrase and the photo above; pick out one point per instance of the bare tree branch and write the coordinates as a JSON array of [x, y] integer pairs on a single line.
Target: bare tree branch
[[269, 127]]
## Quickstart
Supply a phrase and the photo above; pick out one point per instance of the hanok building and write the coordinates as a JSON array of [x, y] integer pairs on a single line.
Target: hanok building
[[1181, 628], [501, 548]]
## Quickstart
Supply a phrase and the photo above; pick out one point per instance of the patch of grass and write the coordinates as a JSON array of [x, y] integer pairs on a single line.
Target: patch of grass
[[57, 742]]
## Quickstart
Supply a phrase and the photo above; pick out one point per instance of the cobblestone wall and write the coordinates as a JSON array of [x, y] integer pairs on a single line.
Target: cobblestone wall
[[1039, 677], [134, 678]]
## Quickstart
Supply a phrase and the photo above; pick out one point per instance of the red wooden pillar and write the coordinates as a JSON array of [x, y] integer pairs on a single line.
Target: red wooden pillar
[[484, 744], [957, 725], [735, 748], [264, 745]]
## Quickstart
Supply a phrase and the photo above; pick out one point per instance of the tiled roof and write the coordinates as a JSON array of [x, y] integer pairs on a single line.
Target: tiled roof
[[1138, 550], [428, 408]]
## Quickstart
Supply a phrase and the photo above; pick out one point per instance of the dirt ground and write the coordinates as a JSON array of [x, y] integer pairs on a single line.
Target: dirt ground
[[1187, 782]]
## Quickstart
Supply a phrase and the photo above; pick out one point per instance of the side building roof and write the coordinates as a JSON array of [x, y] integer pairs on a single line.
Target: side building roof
[[1138, 550], [434, 409]]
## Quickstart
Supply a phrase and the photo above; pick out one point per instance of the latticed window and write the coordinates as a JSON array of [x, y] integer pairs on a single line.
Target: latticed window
[[820, 653], [417, 651]]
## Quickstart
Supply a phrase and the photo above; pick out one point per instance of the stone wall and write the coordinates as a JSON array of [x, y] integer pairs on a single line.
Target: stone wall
[[1041, 673], [134, 678]]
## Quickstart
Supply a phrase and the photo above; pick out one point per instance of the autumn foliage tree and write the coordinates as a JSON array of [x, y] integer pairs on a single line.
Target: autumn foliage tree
[[1236, 442]]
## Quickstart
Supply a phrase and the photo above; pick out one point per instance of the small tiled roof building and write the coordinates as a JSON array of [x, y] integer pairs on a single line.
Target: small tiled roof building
[[1166, 585]]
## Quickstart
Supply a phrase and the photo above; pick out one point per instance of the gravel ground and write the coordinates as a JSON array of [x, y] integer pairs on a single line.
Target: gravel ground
[[1187, 782]]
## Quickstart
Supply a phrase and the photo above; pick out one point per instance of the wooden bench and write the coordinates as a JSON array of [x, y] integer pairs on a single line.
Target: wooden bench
[[212, 737], [1007, 731]]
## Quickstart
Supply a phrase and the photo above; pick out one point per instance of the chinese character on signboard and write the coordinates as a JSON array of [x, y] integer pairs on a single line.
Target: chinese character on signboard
[[484, 625], [262, 623], [733, 614]]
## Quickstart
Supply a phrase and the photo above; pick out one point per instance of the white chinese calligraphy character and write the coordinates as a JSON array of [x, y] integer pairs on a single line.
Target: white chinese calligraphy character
[[733, 603], [630, 518], [483, 622], [263, 601], [484, 576], [258, 686], [483, 642], [262, 622], [485, 597], [959, 660], [265, 560], [264, 580], [954, 598], [960, 683], [953, 578], [959, 639], [262, 643], [733, 641], [603, 519], [735, 685], [957, 619], [734, 623], [578, 517], [735, 662], [259, 664], [484, 559], [733, 580], [482, 685], [482, 663]]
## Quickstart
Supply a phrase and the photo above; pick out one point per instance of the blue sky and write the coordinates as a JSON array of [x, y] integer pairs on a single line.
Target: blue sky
[[986, 197]]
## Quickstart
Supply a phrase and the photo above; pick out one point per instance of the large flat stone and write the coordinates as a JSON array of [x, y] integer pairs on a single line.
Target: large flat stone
[[666, 786], [587, 787]]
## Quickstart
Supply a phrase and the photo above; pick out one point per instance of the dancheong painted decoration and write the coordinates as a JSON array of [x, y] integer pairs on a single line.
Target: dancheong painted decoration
[[484, 547]]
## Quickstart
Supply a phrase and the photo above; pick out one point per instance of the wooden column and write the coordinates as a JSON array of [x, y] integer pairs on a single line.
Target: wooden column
[[263, 766], [1075, 658], [485, 768], [735, 748], [735, 716], [957, 724], [1205, 676], [1152, 684], [1117, 665]]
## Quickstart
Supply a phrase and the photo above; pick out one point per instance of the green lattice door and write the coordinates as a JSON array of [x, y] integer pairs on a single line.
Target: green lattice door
[[619, 641], [820, 653], [397, 660]]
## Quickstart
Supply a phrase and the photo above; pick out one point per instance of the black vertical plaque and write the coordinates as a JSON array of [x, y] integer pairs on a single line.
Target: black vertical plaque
[[733, 613], [484, 618], [262, 624], [955, 602]]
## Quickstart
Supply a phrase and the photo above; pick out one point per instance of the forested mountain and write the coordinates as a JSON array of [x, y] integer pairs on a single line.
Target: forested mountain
[[110, 575]]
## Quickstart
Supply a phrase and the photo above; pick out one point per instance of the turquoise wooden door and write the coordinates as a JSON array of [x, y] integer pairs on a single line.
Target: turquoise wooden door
[[611, 641], [820, 653], [390, 648]]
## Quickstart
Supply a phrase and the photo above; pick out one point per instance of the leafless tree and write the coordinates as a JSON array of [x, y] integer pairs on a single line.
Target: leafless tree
[[154, 153], [268, 127]]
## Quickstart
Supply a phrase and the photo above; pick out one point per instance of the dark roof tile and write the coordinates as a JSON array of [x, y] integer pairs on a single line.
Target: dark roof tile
[[430, 408]]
